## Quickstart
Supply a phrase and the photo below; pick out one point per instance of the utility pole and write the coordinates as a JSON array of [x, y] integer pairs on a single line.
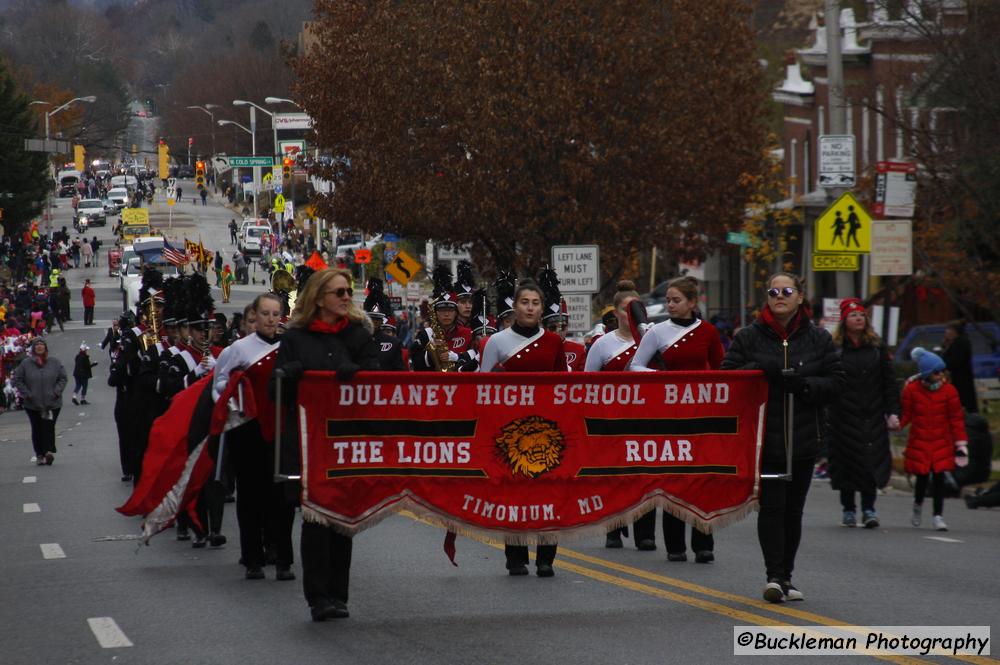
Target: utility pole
[[838, 113]]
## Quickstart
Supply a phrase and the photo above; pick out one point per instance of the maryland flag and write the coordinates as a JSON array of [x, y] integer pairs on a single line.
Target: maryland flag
[[197, 252]]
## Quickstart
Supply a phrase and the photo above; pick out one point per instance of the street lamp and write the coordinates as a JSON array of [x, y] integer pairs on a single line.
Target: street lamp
[[90, 99], [281, 100], [206, 108], [253, 143]]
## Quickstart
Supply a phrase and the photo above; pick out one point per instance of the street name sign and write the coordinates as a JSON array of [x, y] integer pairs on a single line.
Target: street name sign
[[292, 121], [403, 268], [244, 162], [827, 262], [892, 247], [844, 228], [47, 145], [578, 267], [836, 160]]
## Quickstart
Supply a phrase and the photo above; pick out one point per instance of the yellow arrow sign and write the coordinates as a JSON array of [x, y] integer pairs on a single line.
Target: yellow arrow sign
[[404, 267], [279, 203], [844, 228]]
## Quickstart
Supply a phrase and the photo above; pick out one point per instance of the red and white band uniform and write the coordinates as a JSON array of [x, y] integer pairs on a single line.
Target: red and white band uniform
[[682, 345], [576, 355], [458, 337], [611, 353]]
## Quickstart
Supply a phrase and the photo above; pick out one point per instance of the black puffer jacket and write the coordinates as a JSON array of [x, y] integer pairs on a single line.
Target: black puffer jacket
[[860, 459], [811, 352]]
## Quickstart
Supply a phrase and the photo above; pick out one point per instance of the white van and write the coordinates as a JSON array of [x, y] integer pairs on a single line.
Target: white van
[[250, 241], [129, 182]]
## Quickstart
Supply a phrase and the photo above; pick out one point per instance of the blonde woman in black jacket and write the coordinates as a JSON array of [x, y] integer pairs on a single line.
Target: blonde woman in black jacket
[[327, 333], [798, 358]]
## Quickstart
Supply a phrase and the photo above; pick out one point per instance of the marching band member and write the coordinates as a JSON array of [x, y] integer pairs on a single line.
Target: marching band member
[[482, 322], [505, 285], [378, 307], [526, 347], [555, 319], [683, 342], [612, 352], [119, 380], [146, 404], [263, 514], [326, 332], [454, 337]]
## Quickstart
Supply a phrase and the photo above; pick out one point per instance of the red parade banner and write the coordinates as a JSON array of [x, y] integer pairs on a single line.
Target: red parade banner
[[529, 457]]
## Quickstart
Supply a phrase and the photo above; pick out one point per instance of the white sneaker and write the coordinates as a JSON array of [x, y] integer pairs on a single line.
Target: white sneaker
[[915, 519], [939, 524]]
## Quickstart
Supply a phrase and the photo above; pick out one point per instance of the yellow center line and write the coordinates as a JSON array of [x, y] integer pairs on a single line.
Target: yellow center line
[[743, 616]]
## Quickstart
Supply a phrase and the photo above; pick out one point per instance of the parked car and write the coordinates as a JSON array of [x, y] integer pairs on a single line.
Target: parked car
[[185, 171], [984, 337], [250, 242], [93, 211]]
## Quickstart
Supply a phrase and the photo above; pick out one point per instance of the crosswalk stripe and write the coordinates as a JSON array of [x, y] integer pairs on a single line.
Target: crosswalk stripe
[[32, 508], [107, 632], [30, 479], [52, 551]]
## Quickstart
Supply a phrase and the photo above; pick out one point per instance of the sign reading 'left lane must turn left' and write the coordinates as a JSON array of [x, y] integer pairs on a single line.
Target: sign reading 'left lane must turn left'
[[530, 455]]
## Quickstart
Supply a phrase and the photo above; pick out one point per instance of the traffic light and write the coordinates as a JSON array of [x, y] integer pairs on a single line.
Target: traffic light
[[163, 152], [199, 174], [79, 157], [286, 168]]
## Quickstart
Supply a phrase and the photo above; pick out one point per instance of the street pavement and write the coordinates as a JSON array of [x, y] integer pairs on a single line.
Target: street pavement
[[78, 588]]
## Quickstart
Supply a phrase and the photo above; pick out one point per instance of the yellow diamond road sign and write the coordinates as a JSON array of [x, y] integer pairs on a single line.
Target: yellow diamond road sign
[[279, 203], [404, 267], [844, 228]]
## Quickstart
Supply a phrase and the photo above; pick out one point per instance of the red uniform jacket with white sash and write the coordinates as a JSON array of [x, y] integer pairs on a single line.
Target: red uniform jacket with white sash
[[610, 353], [539, 351], [695, 347], [576, 355], [249, 362]]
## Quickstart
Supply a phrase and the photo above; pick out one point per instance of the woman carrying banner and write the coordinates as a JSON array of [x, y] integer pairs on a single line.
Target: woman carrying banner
[[262, 514], [684, 342], [326, 333], [526, 347], [613, 352], [804, 374]]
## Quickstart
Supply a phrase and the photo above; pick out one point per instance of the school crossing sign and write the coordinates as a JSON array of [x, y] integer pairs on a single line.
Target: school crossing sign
[[844, 228]]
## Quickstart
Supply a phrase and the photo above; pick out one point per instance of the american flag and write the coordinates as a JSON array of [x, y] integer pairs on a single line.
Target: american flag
[[173, 256]]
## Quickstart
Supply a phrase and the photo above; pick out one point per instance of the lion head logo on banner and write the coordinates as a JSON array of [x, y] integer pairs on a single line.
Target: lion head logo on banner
[[531, 446]]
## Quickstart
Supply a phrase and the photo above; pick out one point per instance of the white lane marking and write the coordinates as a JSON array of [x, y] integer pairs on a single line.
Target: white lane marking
[[30, 479], [32, 508], [943, 539], [52, 551], [107, 632]]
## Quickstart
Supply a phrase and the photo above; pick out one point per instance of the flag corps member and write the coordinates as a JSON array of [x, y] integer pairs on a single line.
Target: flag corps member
[[326, 333], [683, 342], [526, 347], [263, 514]]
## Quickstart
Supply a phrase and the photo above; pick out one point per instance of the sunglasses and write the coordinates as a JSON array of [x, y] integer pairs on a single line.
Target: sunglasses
[[787, 291], [342, 291]]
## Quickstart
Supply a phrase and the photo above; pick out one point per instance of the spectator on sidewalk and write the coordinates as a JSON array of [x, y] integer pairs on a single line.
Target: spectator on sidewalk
[[232, 231], [89, 300], [40, 380], [957, 355], [83, 370], [204, 196], [95, 246], [86, 252]]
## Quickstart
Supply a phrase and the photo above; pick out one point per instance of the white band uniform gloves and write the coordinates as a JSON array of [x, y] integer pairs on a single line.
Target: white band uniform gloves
[[961, 453], [892, 421]]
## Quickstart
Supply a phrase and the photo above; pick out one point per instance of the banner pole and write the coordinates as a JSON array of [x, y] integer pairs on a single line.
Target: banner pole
[[279, 375]]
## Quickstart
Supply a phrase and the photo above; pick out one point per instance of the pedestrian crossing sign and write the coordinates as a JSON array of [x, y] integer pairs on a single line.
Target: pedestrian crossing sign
[[844, 228]]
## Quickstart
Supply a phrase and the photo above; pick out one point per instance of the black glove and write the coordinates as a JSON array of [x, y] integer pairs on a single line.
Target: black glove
[[346, 372], [293, 370], [793, 381]]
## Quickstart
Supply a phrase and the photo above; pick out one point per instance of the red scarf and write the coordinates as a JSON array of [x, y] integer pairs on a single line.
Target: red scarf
[[797, 321], [320, 326]]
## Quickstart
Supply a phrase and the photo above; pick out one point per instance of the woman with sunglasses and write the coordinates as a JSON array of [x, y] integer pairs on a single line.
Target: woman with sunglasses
[[798, 359], [684, 342], [526, 347], [326, 333]]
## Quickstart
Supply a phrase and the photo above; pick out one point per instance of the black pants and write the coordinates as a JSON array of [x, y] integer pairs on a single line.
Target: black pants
[[644, 528], [121, 424], [937, 491], [517, 555], [779, 524], [88, 316], [264, 517], [673, 535], [867, 500], [211, 502], [326, 564], [43, 432]]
